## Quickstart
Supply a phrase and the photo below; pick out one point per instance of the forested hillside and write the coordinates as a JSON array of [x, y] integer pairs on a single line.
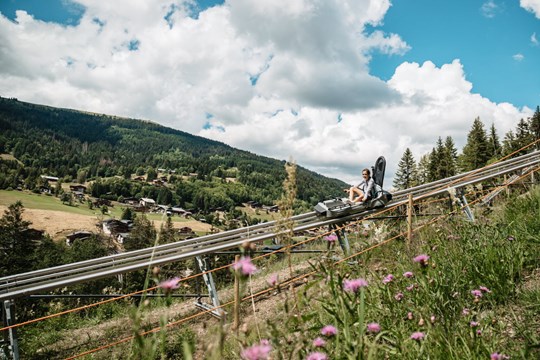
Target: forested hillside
[[109, 151]]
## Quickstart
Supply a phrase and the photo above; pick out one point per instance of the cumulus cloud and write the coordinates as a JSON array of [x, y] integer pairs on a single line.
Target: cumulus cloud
[[518, 57], [276, 77], [532, 6]]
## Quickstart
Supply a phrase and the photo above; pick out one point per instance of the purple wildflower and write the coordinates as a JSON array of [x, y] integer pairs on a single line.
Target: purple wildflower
[[422, 259], [474, 324], [408, 274], [316, 356], [169, 285], [319, 342], [257, 352], [398, 296], [465, 311], [329, 330], [354, 285], [245, 266], [373, 327], [388, 278], [273, 280], [484, 289], [476, 293], [331, 238], [479, 332], [418, 336], [410, 287], [497, 356]]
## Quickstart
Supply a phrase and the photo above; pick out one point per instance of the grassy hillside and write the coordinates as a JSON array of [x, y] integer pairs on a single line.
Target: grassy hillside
[[79, 146]]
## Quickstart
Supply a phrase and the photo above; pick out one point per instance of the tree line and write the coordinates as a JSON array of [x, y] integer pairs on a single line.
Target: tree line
[[482, 148]]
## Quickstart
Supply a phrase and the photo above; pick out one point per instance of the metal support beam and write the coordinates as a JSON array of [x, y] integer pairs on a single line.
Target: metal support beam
[[8, 310], [342, 238], [212, 292]]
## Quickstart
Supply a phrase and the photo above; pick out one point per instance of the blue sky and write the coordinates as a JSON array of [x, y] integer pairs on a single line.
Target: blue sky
[[284, 78]]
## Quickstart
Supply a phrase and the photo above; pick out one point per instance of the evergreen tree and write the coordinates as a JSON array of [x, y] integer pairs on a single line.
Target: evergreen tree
[[167, 232], [494, 146], [449, 159], [534, 126], [406, 176], [16, 250], [475, 152], [423, 169], [143, 234], [523, 136]]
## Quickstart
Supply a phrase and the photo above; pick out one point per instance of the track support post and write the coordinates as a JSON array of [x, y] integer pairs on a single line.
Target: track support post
[[342, 238], [212, 291], [10, 337]]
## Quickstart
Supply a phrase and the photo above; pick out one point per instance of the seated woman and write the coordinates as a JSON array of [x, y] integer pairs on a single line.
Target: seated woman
[[362, 192]]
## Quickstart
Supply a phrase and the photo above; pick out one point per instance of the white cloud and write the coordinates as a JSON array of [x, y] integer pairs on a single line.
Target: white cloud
[[518, 57], [276, 77], [489, 9], [531, 6], [534, 40]]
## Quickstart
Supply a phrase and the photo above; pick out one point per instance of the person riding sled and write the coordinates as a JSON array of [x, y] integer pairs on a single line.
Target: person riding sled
[[363, 191]]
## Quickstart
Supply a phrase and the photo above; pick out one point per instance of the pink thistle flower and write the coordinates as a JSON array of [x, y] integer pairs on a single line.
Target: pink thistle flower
[[479, 332], [329, 330], [373, 327], [316, 356], [422, 260], [476, 293], [388, 278], [410, 315], [331, 238], [273, 280], [474, 324], [257, 352], [319, 342], [410, 287], [169, 285], [245, 266], [408, 274], [398, 296], [497, 356], [418, 336], [354, 285], [484, 289], [465, 311]]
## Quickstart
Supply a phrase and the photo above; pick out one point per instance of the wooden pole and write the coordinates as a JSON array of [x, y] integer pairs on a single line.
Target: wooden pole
[[409, 219]]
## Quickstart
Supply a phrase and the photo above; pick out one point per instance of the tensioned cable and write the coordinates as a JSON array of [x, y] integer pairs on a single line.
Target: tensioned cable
[[299, 277]]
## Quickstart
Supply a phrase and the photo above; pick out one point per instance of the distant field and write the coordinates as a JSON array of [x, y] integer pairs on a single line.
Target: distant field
[[49, 214]]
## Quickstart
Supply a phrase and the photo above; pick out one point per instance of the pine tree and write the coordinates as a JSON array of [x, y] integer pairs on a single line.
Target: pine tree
[[406, 176], [523, 136], [494, 146], [475, 152], [534, 126], [423, 169], [509, 143], [449, 158], [16, 250]]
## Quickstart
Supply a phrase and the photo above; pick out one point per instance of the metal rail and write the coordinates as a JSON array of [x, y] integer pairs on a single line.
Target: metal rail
[[33, 282]]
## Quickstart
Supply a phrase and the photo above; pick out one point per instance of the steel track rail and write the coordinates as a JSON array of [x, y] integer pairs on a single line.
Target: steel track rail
[[48, 279]]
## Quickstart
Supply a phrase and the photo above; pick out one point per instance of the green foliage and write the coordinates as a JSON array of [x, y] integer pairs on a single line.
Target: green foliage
[[475, 151], [406, 174], [82, 146], [16, 248]]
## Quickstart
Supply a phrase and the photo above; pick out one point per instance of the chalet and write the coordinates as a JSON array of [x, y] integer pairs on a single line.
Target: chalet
[[181, 212], [158, 182], [50, 178], [114, 227], [45, 190], [139, 178], [77, 188], [77, 235], [272, 208], [253, 204], [147, 202], [131, 201]]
